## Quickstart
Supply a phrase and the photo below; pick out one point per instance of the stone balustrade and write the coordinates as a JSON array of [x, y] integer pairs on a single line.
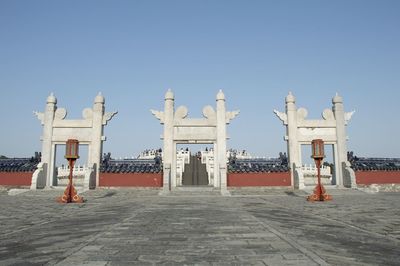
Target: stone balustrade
[[80, 174], [182, 158], [79, 170], [310, 174], [311, 170], [207, 158]]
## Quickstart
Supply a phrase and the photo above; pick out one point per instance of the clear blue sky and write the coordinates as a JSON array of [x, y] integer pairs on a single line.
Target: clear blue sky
[[256, 51]]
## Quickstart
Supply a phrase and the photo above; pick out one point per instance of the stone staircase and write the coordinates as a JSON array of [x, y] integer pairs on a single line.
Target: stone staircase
[[193, 191], [195, 173]]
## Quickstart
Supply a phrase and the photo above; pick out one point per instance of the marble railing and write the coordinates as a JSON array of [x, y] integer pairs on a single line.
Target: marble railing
[[82, 176], [309, 173], [311, 170]]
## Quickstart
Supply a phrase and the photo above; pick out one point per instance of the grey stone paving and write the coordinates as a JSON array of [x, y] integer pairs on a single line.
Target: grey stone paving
[[252, 227]]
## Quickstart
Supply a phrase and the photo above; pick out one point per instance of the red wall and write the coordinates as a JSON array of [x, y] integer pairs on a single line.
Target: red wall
[[15, 178], [377, 177], [259, 179], [130, 180], [234, 179]]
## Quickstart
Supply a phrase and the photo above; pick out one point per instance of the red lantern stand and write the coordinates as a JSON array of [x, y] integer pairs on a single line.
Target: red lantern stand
[[71, 154], [318, 155]]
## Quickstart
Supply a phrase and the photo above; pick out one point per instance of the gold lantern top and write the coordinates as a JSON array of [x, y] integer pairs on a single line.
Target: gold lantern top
[[317, 149], [72, 149]]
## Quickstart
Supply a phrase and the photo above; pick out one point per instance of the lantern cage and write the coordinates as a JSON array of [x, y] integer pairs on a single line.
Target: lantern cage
[[72, 149], [317, 149]]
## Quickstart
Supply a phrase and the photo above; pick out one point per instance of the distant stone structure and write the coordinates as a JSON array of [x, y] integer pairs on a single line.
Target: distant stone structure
[[332, 129], [178, 129], [57, 130], [165, 168]]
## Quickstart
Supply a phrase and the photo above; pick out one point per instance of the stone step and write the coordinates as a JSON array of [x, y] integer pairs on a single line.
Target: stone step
[[196, 188], [197, 191], [334, 190]]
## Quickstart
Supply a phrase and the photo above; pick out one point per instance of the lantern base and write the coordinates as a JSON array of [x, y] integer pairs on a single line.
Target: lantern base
[[70, 195], [319, 194]]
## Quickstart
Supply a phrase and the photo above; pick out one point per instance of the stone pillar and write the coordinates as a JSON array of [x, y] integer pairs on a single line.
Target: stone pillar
[[220, 163], [95, 151], [216, 172], [173, 166], [338, 111], [47, 148], [168, 140], [291, 131]]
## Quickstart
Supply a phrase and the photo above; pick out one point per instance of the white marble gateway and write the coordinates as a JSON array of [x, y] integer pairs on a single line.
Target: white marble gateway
[[57, 130], [331, 129], [178, 129]]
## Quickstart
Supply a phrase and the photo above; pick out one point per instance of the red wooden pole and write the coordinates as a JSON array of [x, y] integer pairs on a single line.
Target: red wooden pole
[[319, 190], [70, 195]]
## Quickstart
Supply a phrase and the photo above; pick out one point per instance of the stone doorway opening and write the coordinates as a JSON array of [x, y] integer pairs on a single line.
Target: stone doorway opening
[[309, 169], [179, 129], [195, 164], [61, 168]]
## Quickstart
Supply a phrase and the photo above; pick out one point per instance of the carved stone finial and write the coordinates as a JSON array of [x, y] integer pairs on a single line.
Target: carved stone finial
[[169, 95], [220, 95], [290, 98], [337, 99], [99, 98], [51, 98]]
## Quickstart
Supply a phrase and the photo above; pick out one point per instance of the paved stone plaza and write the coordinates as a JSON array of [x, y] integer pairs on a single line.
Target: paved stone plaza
[[252, 227]]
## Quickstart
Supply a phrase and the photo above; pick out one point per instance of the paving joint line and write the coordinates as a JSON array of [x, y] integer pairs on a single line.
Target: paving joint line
[[310, 254], [103, 231], [343, 223], [66, 214]]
